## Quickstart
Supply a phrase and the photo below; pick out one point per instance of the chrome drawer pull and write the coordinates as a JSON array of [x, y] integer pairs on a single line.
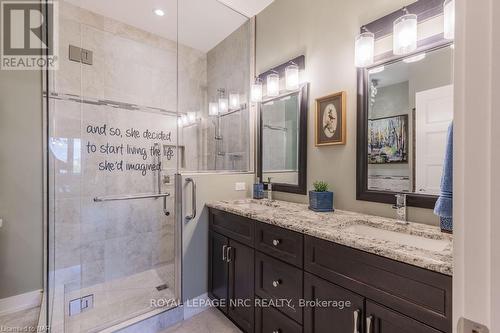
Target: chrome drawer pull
[[369, 324], [356, 321], [228, 254], [276, 283], [277, 331], [224, 252], [276, 242]]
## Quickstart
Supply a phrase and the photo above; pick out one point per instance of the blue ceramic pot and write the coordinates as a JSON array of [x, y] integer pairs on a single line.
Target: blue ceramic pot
[[321, 201], [446, 224]]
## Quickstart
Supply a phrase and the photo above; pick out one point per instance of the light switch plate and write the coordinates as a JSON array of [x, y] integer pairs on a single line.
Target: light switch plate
[[468, 326], [240, 187]]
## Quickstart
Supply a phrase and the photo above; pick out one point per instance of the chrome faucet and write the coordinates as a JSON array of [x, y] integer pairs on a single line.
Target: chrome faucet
[[400, 208], [269, 189]]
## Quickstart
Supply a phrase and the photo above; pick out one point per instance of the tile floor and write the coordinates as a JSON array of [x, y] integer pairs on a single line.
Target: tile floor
[[21, 321], [209, 321]]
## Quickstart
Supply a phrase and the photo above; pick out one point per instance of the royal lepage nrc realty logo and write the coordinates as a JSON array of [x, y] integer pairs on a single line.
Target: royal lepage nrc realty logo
[[29, 35]]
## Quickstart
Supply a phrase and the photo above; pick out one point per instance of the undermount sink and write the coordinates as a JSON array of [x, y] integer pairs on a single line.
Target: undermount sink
[[420, 242]]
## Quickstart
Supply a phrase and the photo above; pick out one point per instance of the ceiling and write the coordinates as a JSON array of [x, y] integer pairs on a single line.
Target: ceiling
[[202, 23], [249, 8]]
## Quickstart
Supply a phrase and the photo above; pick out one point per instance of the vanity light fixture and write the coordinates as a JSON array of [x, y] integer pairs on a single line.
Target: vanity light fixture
[[292, 76], [184, 120], [415, 58], [405, 34], [213, 109], [223, 101], [376, 70], [449, 19], [364, 49], [223, 104], [257, 91], [159, 12], [234, 101], [273, 85], [191, 118]]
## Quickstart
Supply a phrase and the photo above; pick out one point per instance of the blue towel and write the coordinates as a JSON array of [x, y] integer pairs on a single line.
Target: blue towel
[[444, 204]]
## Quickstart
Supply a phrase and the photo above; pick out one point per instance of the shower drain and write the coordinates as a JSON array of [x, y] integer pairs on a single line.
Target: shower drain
[[162, 287]]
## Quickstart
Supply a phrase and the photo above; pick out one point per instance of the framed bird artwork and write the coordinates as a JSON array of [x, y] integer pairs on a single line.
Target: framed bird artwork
[[330, 122]]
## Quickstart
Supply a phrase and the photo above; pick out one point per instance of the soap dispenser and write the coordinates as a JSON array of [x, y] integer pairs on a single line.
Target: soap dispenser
[[258, 190]]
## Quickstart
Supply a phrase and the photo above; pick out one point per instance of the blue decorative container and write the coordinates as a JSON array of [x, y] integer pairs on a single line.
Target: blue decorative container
[[258, 191], [446, 224], [321, 201]]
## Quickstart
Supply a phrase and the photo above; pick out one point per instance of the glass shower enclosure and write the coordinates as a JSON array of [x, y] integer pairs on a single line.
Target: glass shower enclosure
[[128, 111], [113, 117]]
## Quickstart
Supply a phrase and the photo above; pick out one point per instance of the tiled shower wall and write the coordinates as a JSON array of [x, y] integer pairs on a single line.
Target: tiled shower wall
[[97, 242], [229, 68]]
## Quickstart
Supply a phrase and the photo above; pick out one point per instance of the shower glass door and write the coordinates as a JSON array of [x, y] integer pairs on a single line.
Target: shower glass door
[[113, 162]]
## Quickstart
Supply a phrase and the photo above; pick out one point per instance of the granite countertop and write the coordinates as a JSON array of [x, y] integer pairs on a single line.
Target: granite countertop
[[338, 227]]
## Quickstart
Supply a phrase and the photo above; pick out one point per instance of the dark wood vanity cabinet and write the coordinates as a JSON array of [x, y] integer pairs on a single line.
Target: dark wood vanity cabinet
[[332, 288], [384, 320], [218, 269], [231, 276], [241, 285], [331, 318]]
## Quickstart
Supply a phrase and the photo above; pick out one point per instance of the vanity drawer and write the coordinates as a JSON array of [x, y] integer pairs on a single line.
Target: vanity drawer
[[277, 280], [419, 293], [233, 226], [269, 320], [280, 243]]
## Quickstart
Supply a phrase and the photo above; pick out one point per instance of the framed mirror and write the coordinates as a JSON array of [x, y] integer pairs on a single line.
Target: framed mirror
[[283, 141], [405, 106]]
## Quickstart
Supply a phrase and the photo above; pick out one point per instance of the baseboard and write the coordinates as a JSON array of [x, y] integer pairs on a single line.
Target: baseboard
[[20, 302], [195, 306]]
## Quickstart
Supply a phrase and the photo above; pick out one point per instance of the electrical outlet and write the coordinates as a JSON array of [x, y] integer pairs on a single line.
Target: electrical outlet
[[468, 326], [240, 187]]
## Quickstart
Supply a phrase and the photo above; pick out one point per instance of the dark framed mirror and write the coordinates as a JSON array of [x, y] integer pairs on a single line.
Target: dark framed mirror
[[405, 105], [283, 141]]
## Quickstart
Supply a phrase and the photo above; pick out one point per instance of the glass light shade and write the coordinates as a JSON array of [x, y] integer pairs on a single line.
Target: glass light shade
[[364, 49], [184, 120], [213, 109], [405, 34], [191, 117], [257, 91], [273, 85], [449, 19], [292, 77], [234, 101], [223, 105]]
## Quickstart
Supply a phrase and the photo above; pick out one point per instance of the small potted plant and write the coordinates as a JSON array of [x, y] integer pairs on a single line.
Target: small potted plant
[[321, 200]]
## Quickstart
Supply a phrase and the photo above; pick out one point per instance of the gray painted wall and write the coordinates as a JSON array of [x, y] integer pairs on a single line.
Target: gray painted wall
[[21, 182], [210, 187], [324, 31]]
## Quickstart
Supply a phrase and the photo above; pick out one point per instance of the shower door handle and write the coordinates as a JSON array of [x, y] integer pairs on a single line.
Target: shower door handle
[[193, 198]]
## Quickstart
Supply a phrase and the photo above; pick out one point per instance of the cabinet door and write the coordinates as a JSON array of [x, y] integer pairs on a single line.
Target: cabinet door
[[380, 319], [241, 285], [331, 317], [218, 269]]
